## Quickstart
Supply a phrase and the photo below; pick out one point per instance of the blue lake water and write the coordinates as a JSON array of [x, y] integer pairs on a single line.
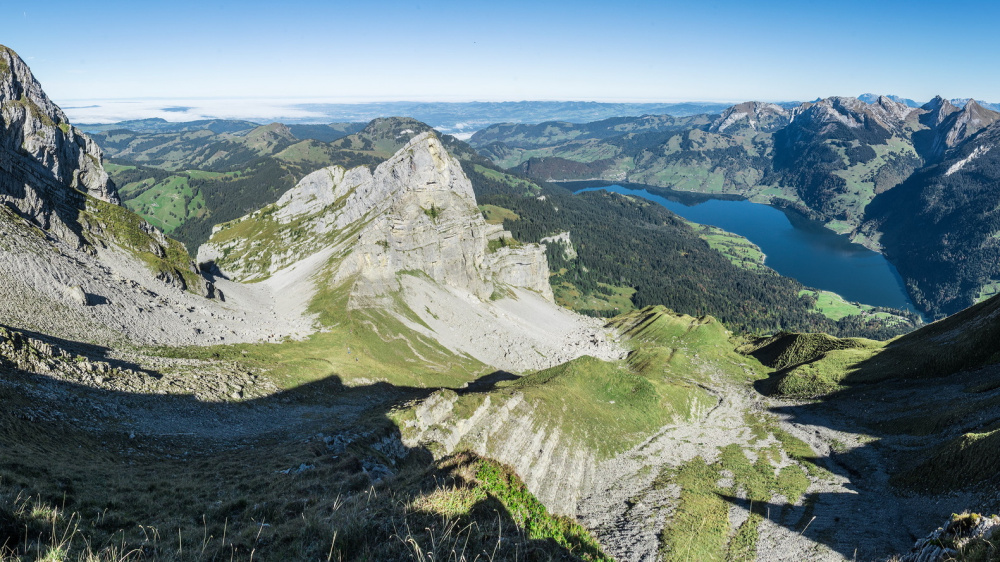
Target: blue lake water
[[795, 246]]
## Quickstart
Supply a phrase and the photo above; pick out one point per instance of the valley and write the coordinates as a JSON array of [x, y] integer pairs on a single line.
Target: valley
[[849, 164], [792, 246], [374, 341]]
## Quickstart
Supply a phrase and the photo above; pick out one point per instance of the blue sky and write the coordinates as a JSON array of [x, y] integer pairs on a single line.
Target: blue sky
[[709, 50]]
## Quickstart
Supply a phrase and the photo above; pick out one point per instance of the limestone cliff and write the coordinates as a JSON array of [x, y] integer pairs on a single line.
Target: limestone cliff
[[41, 155], [415, 212], [52, 175], [73, 261], [408, 238]]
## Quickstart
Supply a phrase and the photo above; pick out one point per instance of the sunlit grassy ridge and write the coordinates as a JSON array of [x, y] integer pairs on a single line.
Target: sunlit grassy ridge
[[810, 365], [609, 407], [613, 406]]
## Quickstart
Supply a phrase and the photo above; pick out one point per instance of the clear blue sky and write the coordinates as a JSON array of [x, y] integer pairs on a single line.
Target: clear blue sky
[[721, 50]]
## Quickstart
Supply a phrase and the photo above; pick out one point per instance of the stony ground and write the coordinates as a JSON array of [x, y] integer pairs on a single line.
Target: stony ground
[[851, 513], [49, 287], [141, 400]]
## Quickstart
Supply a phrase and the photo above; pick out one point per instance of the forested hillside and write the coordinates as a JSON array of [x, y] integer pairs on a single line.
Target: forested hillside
[[630, 246]]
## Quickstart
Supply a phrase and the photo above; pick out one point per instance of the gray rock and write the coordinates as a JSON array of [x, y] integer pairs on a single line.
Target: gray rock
[[41, 155], [418, 213], [76, 295]]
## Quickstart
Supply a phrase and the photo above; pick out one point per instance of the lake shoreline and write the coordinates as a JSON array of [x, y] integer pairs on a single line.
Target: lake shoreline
[[795, 245]]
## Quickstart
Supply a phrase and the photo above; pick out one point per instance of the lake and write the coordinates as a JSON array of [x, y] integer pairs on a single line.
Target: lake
[[795, 246]]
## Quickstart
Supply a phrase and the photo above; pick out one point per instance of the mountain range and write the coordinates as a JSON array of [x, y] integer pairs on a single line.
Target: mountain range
[[190, 180], [372, 366], [851, 164]]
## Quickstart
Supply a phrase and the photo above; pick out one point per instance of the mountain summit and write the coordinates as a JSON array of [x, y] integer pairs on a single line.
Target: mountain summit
[[408, 239]]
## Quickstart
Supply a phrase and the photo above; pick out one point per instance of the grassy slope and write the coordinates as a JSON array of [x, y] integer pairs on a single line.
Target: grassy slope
[[217, 502], [740, 251], [959, 433], [610, 406], [964, 341], [111, 504], [120, 227]]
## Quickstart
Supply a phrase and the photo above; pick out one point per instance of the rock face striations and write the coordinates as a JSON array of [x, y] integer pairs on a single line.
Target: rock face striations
[[41, 155], [416, 212]]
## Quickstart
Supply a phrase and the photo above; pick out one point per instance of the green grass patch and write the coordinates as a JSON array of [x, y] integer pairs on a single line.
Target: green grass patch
[[166, 204], [528, 513], [966, 461], [699, 529], [123, 228], [367, 347], [496, 215], [512, 181], [964, 341], [810, 365], [610, 299], [681, 347], [833, 306], [604, 405], [737, 249], [988, 290], [504, 242]]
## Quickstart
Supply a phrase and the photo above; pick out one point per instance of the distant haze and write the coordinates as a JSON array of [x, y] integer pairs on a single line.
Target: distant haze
[[460, 119]]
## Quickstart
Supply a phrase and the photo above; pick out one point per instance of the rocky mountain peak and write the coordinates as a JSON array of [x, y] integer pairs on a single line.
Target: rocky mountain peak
[[940, 106], [51, 175], [416, 212], [854, 113], [45, 163], [754, 115], [873, 98], [964, 123]]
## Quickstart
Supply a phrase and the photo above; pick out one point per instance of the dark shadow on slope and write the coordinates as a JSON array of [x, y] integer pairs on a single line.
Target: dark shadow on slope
[[88, 350], [307, 472], [929, 411], [486, 383]]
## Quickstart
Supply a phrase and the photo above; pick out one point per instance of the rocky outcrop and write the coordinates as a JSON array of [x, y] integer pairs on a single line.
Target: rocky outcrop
[[431, 223], [947, 126], [853, 113], [961, 125], [415, 212], [563, 239], [45, 164], [964, 534], [556, 469], [52, 175], [408, 239], [753, 116]]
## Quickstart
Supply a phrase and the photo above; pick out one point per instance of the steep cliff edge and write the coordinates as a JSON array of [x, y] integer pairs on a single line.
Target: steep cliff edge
[[416, 211], [76, 264], [41, 155]]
